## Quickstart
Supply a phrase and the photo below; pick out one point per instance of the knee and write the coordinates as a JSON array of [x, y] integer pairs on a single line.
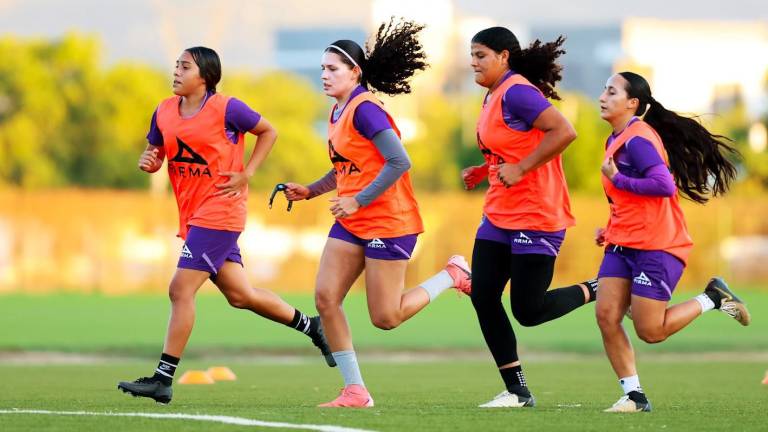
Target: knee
[[607, 318], [526, 319], [178, 294], [324, 302], [238, 301], [481, 298], [386, 322], [651, 336]]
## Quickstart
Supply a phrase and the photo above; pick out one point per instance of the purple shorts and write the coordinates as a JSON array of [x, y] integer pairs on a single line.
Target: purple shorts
[[206, 250], [395, 248], [522, 241], [654, 273]]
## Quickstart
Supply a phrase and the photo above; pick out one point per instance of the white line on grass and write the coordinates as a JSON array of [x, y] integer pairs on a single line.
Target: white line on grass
[[197, 417]]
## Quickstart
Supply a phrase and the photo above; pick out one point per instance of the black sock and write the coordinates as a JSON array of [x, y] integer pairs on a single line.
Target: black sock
[[592, 287], [302, 323], [514, 380], [166, 368], [637, 396]]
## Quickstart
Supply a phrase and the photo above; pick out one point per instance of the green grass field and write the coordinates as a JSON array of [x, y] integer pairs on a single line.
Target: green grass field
[[705, 378], [433, 396], [135, 325]]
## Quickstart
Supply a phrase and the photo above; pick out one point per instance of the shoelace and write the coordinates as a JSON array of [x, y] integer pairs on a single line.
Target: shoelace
[[730, 309]]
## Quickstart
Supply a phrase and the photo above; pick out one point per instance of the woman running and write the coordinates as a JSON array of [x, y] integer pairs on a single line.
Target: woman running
[[202, 133], [527, 208], [646, 240], [377, 217]]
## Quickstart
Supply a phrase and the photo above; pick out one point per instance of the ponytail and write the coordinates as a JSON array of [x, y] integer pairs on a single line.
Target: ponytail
[[537, 63], [396, 55], [700, 161]]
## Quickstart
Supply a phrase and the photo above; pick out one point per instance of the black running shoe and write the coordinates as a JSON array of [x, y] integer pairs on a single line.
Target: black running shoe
[[318, 338], [149, 387], [729, 303]]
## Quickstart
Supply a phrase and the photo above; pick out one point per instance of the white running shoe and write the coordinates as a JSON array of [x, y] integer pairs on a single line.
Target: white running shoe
[[506, 399], [627, 405]]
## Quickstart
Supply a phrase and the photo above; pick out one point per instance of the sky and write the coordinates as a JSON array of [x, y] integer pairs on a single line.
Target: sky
[[142, 29]]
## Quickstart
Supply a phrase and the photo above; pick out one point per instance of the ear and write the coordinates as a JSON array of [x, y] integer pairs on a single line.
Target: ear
[[357, 72], [504, 56], [633, 104]]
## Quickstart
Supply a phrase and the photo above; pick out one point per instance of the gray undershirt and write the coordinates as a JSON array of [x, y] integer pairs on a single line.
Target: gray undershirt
[[397, 163]]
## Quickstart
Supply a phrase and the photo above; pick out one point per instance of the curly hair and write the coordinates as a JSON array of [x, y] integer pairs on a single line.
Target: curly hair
[[390, 61], [700, 160], [537, 63]]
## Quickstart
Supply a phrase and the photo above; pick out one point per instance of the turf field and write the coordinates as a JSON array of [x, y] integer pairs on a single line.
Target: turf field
[[135, 325], [432, 396], [281, 379]]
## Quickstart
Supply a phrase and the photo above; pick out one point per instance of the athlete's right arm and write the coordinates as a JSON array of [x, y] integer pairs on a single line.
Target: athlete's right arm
[[472, 176], [152, 158], [297, 192]]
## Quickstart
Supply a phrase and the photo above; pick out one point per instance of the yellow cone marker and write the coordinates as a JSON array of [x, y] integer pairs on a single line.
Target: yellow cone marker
[[221, 373], [196, 377]]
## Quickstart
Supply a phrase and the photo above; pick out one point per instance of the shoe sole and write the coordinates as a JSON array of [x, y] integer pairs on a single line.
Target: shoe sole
[[159, 400], [730, 297], [744, 317]]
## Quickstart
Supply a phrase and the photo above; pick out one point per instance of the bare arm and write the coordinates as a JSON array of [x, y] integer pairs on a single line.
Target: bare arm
[[151, 158], [266, 135]]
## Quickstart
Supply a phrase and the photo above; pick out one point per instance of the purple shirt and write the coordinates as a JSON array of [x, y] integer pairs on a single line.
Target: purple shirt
[[239, 118], [369, 118], [641, 168], [521, 105]]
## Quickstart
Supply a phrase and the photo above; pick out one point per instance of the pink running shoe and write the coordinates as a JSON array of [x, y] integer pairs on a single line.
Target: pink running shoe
[[352, 396], [460, 271]]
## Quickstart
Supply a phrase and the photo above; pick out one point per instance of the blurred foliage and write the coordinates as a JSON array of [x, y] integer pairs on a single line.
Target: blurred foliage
[[66, 120]]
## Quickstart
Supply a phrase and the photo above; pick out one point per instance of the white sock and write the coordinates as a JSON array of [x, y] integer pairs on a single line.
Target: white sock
[[630, 383], [705, 302], [350, 371], [438, 283]]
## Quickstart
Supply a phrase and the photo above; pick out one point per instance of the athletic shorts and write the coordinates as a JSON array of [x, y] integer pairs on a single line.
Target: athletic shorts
[[207, 249], [395, 248], [522, 241], [654, 273]]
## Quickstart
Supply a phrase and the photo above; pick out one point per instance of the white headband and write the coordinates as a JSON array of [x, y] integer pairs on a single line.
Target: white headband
[[346, 55]]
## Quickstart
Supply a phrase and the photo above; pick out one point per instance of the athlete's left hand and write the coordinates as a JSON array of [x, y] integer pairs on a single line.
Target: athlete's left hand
[[509, 174], [342, 207], [234, 186], [609, 168]]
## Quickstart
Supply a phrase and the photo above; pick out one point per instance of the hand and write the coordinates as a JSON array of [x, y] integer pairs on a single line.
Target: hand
[[509, 174], [472, 176], [296, 192], [342, 207], [609, 168], [149, 162], [600, 236], [234, 186]]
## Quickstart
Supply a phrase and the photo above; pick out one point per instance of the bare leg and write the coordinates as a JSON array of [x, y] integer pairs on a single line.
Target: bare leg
[[613, 297], [182, 290], [340, 265], [233, 282], [388, 305], [654, 322]]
